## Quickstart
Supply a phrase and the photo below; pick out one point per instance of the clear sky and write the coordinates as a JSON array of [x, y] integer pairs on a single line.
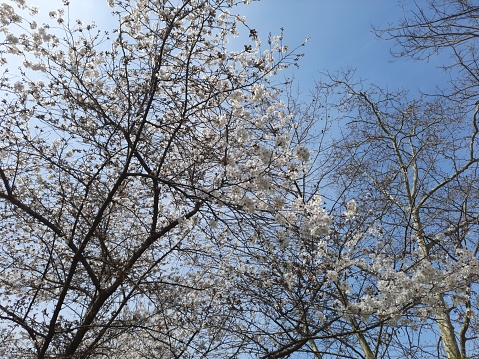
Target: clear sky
[[341, 37], [340, 34]]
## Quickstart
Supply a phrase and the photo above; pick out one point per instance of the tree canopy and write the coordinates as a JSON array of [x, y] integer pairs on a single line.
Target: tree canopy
[[165, 195]]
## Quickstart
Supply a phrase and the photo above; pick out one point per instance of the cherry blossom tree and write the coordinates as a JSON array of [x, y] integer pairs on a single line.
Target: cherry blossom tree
[[127, 156], [160, 195]]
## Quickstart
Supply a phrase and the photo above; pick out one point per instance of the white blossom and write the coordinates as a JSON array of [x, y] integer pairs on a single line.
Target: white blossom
[[302, 153], [351, 209]]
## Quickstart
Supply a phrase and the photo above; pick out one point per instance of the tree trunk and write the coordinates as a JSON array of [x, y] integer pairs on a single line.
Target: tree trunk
[[446, 329]]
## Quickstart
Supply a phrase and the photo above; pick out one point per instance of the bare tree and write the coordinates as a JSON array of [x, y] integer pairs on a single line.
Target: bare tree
[[414, 164], [442, 26], [398, 279], [391, 269]]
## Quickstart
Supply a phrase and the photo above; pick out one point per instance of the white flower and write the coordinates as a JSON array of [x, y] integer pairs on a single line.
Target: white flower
[[12, 39], [265, 155], [282, 141], [56, 143], [33, 10], [302, 153], [278, 203], [258, 93], [38, 66], [242, 135], [18, 86], [351, 209], [332, 275], [249, 204], [319, 230]]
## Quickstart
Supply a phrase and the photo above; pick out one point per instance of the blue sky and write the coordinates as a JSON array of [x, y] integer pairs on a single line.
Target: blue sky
[[340, 34], [341, 37]]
